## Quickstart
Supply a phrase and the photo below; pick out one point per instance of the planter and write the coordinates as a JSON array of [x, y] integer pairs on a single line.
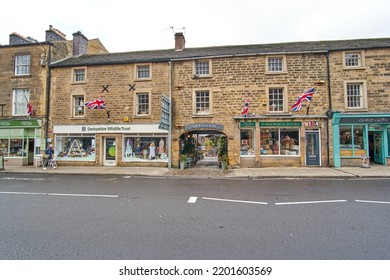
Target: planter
[[182, 165], [224, 165]]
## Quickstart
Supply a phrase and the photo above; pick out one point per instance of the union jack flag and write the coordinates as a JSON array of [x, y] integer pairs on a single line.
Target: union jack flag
[[30, 109], [306, 96], [96, 104], [245, 109]]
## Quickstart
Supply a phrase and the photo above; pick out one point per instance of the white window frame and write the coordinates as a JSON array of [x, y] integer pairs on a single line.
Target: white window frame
[[137, 72], [284, 101], [202, 68], [360, 58], [20, 97], [268, 65], [76, 75], [75, 107], [363, 94], [137, 104], [22, 65], [199, 109]]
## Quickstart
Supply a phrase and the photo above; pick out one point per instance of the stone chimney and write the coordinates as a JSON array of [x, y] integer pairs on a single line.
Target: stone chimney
[[180, 41], [17, 39], [80, 43], [54, 34]]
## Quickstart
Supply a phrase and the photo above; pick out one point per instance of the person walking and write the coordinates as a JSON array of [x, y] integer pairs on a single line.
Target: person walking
[[48, 156]]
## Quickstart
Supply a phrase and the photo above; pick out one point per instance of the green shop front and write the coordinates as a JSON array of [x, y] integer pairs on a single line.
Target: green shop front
[[20, 141], [359, 136], [274, 142]]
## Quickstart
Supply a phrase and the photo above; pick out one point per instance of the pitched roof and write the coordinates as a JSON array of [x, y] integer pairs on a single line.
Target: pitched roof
[[220, 51]]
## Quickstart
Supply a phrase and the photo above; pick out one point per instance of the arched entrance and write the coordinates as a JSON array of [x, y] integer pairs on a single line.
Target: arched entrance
[[203, 147]]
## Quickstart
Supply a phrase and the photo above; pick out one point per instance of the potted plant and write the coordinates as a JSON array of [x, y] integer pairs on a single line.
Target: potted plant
[[183, 161], [224, 162]]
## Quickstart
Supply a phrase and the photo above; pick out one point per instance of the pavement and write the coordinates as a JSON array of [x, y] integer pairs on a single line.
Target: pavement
[[375, 171]]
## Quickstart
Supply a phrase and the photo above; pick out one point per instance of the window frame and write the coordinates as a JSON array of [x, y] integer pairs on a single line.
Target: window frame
[[136, 103], [363, 98], [74, 106], [136, 72], [74, 75], [361, 60], [197, 74], [195, 111], [284, 102], [283, 64], [18, 66], [21, 103]]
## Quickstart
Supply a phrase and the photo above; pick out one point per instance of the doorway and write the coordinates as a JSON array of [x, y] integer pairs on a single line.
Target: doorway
[[109, 152], [375, 146], [312, 148]]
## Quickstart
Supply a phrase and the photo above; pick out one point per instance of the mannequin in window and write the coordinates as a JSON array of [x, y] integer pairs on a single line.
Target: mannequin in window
[[152, 151]]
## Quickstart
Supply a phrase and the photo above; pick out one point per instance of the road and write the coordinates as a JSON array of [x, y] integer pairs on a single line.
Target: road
[[59, 217]]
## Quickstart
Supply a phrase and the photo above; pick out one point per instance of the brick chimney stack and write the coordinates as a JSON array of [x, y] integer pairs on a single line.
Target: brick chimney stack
[[180, 41], [80, 43]]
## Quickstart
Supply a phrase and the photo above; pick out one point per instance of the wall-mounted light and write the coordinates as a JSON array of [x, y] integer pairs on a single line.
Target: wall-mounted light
[[108, 116]]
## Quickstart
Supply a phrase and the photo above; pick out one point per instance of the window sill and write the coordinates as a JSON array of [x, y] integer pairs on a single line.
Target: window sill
[[275, 72], [356, 109], [278, 114], [78, 118], [195, 76], [203, 116], [142, 79], [142, 117], [21, 76], [354, 68], [79, 83]]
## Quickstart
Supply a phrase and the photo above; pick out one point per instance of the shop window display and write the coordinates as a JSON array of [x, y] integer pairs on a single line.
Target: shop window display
[[145, 148], [352, 140], [74, 148], [246, 148], [279, 141]]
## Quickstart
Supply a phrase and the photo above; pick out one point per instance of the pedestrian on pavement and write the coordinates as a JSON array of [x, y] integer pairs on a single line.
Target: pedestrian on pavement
[[48, 156]]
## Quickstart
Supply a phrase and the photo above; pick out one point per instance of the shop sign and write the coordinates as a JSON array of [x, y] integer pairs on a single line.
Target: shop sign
[[365, 120], [92, 129], [278, 124], [19, 123], [195, 126], [247, 124]]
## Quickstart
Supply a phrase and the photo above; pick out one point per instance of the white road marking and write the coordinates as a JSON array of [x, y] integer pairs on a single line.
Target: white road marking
[[373, 201], [233, 200], [23, 179], [308, 202], [192, 199], [62, 194]]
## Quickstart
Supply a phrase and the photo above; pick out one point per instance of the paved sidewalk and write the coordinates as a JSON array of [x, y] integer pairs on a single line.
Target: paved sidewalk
[[213, 172]]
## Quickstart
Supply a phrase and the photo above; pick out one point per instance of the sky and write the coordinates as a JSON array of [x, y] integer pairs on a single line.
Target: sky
[[129, 25]]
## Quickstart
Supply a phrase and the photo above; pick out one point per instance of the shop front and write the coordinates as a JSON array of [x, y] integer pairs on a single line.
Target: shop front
[[20, 141], [111, 145], [276, 143], [358, 136]]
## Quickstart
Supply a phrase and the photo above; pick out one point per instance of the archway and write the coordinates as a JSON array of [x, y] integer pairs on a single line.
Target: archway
[[202, 147]]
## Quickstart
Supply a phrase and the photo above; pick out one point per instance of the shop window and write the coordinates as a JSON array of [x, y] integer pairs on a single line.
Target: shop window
[[246, 141], [145, 149], [4, 146], [352, 140], [388, 142], [74, 148], [279, 141]]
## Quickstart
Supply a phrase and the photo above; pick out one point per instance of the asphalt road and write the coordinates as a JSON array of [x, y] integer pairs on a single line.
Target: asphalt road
[[114, 217]]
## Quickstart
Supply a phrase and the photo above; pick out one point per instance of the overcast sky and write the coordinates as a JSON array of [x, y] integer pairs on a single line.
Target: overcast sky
[[129, 25]]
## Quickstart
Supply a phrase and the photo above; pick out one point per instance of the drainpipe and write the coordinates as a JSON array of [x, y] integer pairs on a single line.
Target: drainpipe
[[48, 85], [329, 111], [170, 116]]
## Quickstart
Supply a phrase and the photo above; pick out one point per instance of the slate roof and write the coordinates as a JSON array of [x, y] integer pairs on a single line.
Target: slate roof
[[220, 51]]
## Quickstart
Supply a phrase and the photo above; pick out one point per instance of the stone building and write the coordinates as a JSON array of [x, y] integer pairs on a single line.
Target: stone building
[[25, 89], [210, 88]]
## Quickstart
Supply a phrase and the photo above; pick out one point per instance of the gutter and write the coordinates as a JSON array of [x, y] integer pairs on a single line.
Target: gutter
[[48, 89], [329, 111]]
